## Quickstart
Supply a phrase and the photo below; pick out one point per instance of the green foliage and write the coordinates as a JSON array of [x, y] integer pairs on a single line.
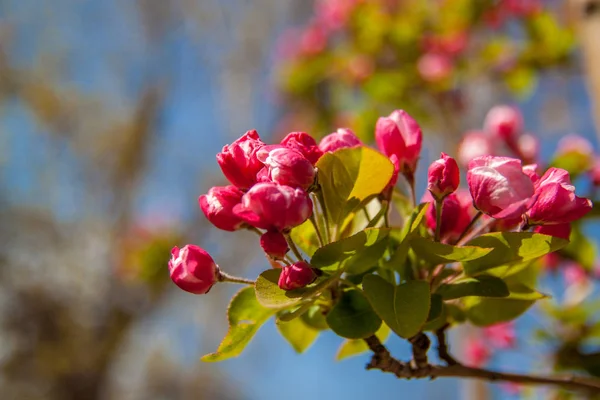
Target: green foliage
[[481, 285], [510, 247], [353, 317], [305, 237], [349, 177], [298, 333], [245, 316], [404, 308], [440, 253], [354, 246]]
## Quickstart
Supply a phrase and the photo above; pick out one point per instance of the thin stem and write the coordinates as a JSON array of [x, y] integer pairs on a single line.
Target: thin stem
[[367, 216], [443, 346], [224, 277], [476, 231], [383, 361], [292, 245], [319, 194], [471, 224], [438, 218], [255, 230], [313, 220]]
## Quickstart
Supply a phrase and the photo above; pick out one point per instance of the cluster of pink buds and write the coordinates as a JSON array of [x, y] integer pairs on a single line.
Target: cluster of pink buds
[[269, 194], [503, 135]]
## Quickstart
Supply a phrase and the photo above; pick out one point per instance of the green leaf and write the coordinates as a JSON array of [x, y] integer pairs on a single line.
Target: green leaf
[[336, 252], [398, 257], [298, 334], [438, 315], [354, 347], [440, 253], [511, 247], [305, 237], [245, 316], [270, 295], [350, 176], [487, 311], [404, 308], [437, 304], [481, 285], [353, 317], [315, 318]]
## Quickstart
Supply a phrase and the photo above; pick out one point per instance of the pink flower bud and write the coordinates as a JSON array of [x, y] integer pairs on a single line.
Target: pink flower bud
[[274, 207], [218, 205], [313, 40], [501, 336], [274, 244], [238, 160], [394, 178], [305, 144], [529, 147], [287, 166], [556, 200], [434, 67], [443, 176], [457, 212], [342, 138], [193, 269], [400, 134], [505, 122], [562, 231], [476, 353], [499, 186], [296, 276], [475, 144]]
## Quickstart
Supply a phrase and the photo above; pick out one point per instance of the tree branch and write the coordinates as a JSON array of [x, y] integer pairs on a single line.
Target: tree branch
[[383, 361], [443, 347]]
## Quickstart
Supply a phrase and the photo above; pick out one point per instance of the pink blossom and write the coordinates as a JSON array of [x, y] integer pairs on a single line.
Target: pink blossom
[[274, 207], [556, 200], [499, 186], [573, 143], [477, 353], [238, 160], [434, 67], [218, 205], [305, 144], [287, 166], [313, 40], [340, 139], [504, 122], [274, 244], [574, 274], [296, 276], [475, 144], [443, 176], [401, 135], [562, 231], [501, 336], [193, 269]]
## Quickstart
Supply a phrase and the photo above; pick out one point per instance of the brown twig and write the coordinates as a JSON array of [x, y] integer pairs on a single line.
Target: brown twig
[[443, 346], [420, 345], [383, 361]]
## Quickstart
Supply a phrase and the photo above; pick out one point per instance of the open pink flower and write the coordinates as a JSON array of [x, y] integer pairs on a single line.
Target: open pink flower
[[499, 186], [305, 144], [504, 122], [556, 200]]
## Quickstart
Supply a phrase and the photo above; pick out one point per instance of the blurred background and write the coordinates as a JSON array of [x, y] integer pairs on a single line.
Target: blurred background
[[111, 113]]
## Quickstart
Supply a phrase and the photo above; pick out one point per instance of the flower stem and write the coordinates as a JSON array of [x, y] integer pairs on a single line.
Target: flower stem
[[321, 199], [438, 218], [471, 224], [224, 277], [313, 220], [292, 245]]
